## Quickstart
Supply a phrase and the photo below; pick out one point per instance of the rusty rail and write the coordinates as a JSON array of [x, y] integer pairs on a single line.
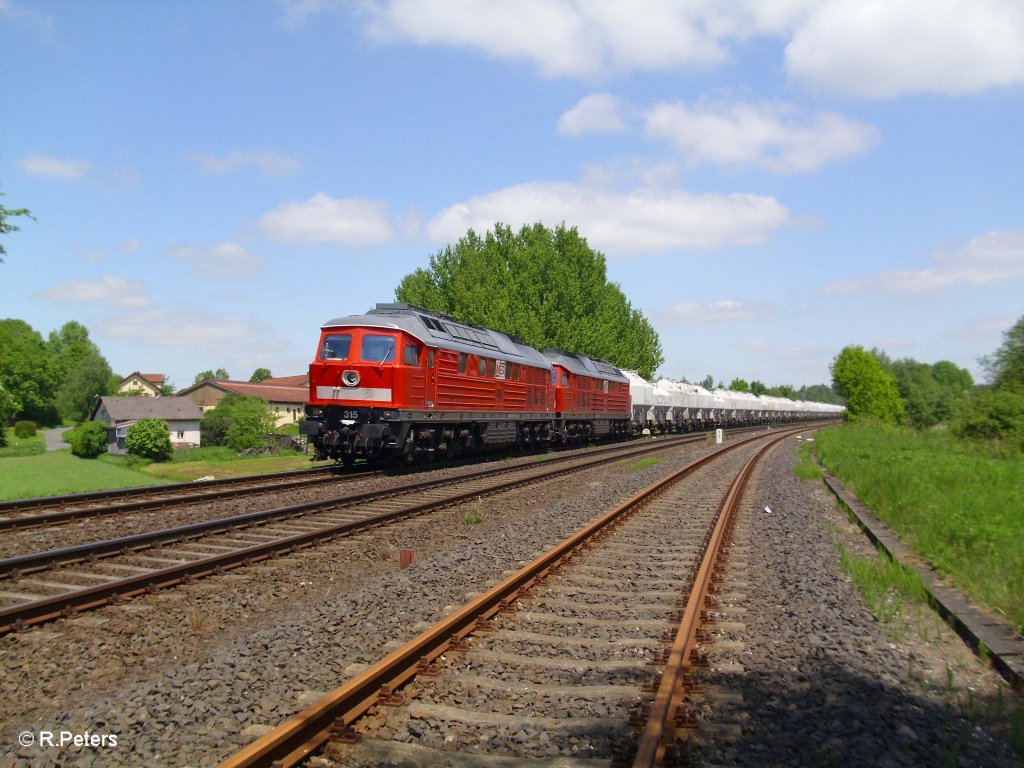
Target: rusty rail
[[333, 715]]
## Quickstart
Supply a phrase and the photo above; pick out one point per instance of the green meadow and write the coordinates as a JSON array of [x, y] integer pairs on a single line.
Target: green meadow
[[955, 503]]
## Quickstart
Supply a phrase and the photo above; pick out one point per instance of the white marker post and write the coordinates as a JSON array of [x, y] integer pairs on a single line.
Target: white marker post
[[718, 437]]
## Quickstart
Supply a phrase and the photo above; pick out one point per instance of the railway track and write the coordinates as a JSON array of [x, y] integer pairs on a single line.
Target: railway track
[[583, 654], [23, 514], [42, 586]]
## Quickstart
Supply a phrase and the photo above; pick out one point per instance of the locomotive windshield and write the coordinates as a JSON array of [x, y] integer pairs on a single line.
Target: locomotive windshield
[[377, 349], [336, 346]]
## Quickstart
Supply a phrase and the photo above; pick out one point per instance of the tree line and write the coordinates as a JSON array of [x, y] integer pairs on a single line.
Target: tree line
[[60, 378], [908, 392]]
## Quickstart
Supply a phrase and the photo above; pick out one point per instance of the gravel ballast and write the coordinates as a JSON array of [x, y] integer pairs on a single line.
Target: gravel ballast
[[187, 676]]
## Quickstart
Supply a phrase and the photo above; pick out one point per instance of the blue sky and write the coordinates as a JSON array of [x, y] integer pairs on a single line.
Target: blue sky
[[769, 181]]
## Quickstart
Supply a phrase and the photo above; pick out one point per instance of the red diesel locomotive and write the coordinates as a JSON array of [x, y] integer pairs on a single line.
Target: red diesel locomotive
[[403, 383]]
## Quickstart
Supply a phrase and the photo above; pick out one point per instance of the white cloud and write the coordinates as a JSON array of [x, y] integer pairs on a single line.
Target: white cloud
[[19, 13], [195, 330], [597, 113], [870, 48], [713, 313], [992, 258], [885, 48], [107, 290], [641, 221], [268, 163], [577, 38], [773, 136], [52, 167], [324, 219], [222, 260]]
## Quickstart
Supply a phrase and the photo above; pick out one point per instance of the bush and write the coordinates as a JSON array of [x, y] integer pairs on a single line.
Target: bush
[[995, 415], [149, 439], [25, 429], [88, 440]]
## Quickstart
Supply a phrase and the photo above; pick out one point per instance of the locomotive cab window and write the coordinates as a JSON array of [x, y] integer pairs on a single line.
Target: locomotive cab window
[[411, 354], [336, 346], [377, 349], [482, 367], [462, 362]]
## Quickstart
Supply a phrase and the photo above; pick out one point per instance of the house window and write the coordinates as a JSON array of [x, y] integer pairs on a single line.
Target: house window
[[181, 435]]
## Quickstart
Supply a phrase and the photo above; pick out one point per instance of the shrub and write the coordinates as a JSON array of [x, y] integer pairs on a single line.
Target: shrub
[[149, 439], [88, 440], [239, 422], [995, 415], [25, 428]]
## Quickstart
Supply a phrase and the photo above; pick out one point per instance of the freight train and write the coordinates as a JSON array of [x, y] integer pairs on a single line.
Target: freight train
[[402, 384]]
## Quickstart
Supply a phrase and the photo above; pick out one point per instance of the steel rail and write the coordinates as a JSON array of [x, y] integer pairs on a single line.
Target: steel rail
[[20, 565], [332, 715], [660, 730], [42, 502], [14, 618], [153, 500]]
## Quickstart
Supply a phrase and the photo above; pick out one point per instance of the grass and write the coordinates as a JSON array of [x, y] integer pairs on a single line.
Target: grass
[[807, 469], [649, 461], [22, 446], [58, 472], [885, 584], [957, 505]]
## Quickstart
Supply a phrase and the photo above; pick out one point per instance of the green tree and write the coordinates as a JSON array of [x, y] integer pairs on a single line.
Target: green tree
[[83, 372], [6, 226], [1005, 366], [930, 392], [739, 385], [82, 388], [783, 390], [869, 390], [88, 440], [239, 422], [251, 422], [260, 374], [758, 388], [149, 439], [992, 415], [8, 407], [220, 374], [708, 382], [819, 393], [28, 372], [547, 286]]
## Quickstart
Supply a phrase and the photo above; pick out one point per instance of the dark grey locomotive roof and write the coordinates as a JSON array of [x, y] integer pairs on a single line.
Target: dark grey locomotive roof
[[582, 365], [439, 330]]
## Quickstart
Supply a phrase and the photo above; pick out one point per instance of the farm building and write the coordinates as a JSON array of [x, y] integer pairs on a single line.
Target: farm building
[[119, 413]]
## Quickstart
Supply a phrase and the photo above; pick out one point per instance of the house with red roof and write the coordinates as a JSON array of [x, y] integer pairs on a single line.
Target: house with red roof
[[286, 395], [145, 384]]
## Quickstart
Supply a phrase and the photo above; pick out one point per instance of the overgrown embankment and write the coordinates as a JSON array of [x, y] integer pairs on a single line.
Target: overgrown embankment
[[954, 503]]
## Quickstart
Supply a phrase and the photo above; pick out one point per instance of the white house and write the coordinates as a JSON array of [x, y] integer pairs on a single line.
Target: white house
[[119, 413]]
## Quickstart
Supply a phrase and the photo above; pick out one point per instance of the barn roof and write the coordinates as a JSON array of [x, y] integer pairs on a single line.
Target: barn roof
[[166, 408]]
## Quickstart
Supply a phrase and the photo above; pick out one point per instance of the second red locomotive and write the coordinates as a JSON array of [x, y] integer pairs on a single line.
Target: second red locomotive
[[404, 383]]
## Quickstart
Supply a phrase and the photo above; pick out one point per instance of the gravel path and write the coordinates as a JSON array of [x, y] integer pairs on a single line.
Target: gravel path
[[185, 677], [811, 678]]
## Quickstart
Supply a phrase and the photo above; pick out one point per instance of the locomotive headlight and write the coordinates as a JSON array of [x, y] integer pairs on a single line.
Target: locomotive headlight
[[350, 378]]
